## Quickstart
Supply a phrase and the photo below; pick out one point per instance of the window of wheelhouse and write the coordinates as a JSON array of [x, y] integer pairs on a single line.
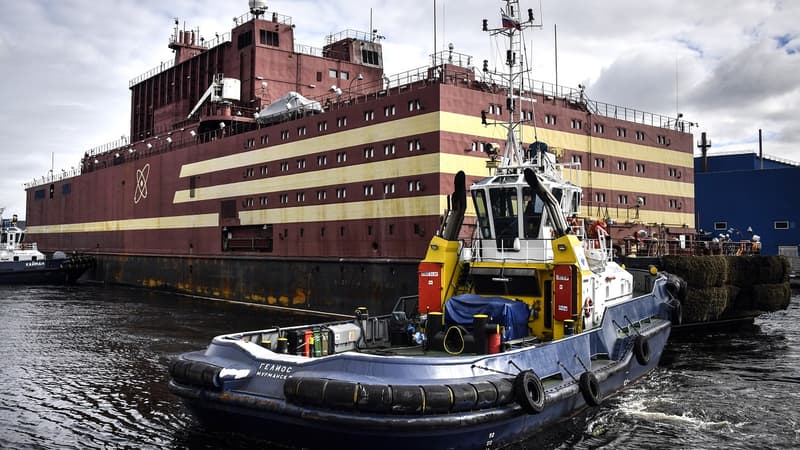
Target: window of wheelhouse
[[479, 198], [558, 193], [576, 203], [505, 215], [532, 215]]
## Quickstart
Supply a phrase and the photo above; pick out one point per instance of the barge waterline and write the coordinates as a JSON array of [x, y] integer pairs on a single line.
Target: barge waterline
[[318, 286]]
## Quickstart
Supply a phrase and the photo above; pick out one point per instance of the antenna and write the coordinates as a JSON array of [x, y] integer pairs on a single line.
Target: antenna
[[434, 32], [677, 109], [555, 45]]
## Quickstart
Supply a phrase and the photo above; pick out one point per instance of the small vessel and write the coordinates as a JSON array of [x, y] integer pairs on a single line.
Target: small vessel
[[518, 323], [22, 263]]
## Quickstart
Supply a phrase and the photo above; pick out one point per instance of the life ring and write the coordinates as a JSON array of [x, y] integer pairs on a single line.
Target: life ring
[[598, 229], [529, 392], [590, 388], [454, 343], [641, 349], [588, 304]]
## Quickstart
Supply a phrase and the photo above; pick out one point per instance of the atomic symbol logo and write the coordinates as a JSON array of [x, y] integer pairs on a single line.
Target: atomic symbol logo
[[141, 183]]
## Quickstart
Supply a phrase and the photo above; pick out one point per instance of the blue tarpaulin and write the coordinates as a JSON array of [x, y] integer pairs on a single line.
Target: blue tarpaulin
[[510, 314]]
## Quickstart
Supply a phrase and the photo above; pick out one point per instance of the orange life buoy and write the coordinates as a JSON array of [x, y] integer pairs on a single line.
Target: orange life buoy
[[587, 307]]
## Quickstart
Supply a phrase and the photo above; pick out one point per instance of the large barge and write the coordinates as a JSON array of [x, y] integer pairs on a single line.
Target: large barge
[[263, 170]]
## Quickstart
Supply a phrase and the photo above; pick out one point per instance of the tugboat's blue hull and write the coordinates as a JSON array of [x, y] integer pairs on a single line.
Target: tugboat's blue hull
[[316, 429], [358, 400]]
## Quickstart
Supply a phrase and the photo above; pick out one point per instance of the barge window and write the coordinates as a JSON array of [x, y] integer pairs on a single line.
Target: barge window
[[38, 195], [720, 225], [268, 38], [244, 40], [781, 225], [227, 209], [66, 188], [370, 57]]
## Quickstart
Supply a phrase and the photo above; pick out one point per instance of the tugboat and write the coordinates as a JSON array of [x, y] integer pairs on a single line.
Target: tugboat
[[519, 322], [22, 262]]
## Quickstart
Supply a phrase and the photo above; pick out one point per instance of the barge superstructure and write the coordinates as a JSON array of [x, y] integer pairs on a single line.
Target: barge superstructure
[[263, 170]]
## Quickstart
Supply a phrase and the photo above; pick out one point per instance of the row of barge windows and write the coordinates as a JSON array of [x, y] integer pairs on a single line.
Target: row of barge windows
[[341, 122], [390, 228], [778, 225], [389, 149], [638, 201], [389, 187], [40, 194], [599, 128], [622, 166], [265, 37]]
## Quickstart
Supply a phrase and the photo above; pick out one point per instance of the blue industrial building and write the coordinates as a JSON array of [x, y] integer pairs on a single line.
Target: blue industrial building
[[742, 195]]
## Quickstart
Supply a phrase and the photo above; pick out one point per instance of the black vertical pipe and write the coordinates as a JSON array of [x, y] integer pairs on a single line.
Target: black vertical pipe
[[760, 150]]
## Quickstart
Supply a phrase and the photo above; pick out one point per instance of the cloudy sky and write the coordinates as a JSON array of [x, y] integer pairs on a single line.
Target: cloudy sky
[[731, 67]]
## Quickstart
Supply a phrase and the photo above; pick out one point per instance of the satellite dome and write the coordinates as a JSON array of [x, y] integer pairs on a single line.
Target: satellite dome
[[258, 7]]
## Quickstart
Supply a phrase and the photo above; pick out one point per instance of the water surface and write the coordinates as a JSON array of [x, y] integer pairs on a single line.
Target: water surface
[[86, 367]]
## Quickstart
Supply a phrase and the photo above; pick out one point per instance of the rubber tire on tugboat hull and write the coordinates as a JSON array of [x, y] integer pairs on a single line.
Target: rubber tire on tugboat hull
[[529, 392], [590, 388], [641, 349]]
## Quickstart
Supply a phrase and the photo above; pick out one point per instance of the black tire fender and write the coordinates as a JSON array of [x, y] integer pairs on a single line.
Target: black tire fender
[[641, 349], [529, 392], [590, 388]]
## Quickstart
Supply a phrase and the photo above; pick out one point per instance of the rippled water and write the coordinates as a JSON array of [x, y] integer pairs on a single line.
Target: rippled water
[[86, 367]]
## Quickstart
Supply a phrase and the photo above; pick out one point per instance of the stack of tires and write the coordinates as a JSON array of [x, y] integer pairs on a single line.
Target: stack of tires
[[706, 276], [760, 283]]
